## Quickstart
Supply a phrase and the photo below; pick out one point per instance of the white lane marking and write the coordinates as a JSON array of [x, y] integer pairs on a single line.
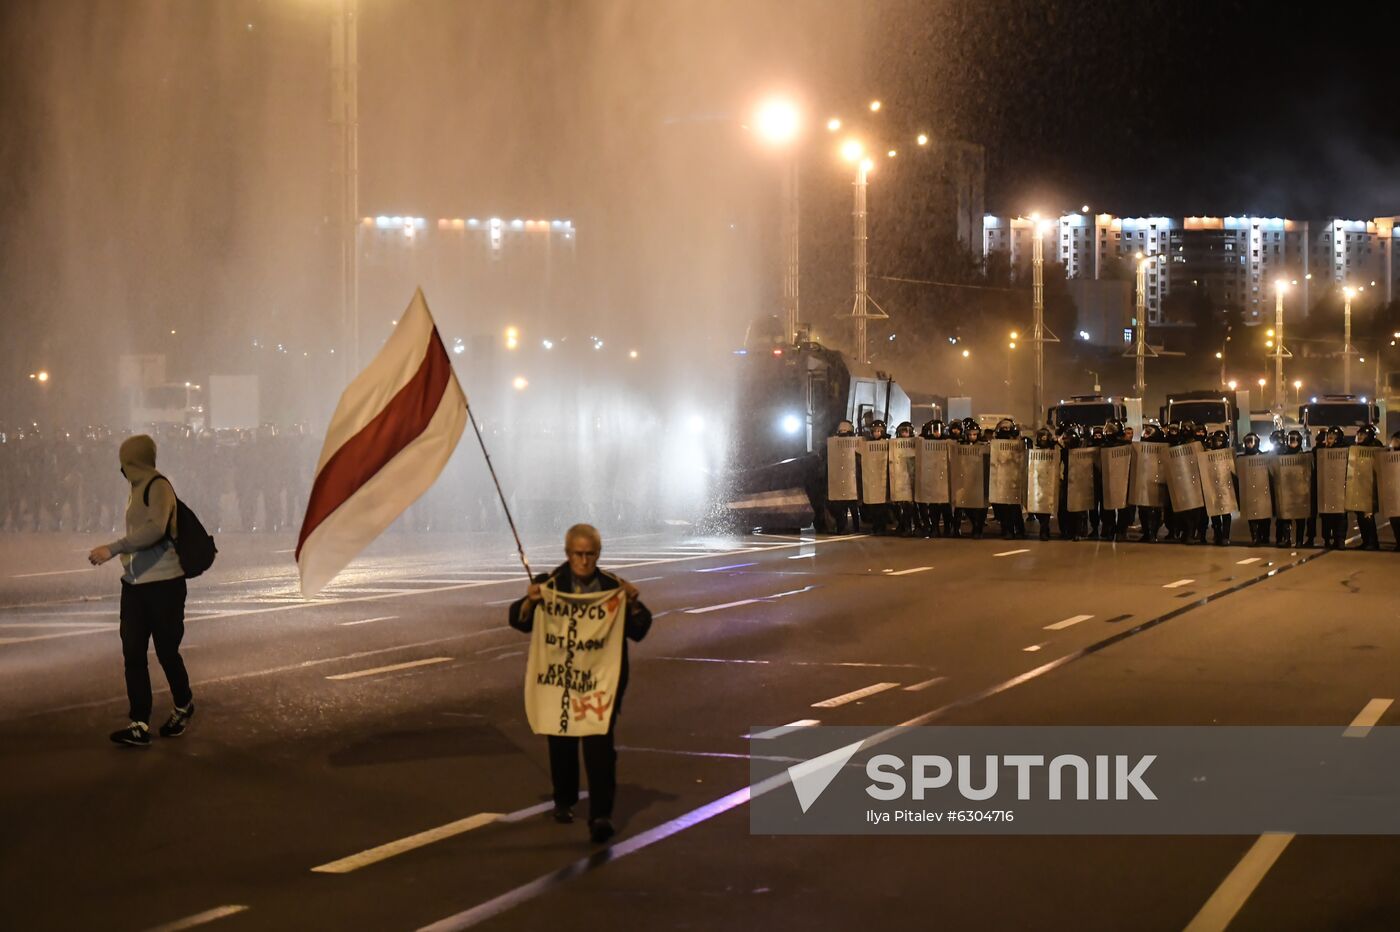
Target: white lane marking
[[385, 851], [920, 687], [790, 663], [86, 569], [374, 855], [489, 650], [1178, 584], [1032, 649], [800, 556], [715, 608], [501, 601], [389, 669], [199, 919], [784, 729], [1010, 553], [1360, 726], [1072, 620], [365, 621], [514, 653], [917, 569], [732, 566], [59, 624], [844, 698], [1249, 561], [288, 550], [58, 634], [647, 579], [1230, 896]]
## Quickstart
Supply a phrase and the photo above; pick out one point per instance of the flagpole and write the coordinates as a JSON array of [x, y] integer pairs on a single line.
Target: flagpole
[[520, 548]]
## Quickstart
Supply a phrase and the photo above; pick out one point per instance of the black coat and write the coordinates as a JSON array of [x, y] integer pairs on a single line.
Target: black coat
[[635, 625]]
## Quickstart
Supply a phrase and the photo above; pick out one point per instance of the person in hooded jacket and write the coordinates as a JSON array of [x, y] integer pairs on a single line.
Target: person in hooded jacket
[[153, 594], [1366, 521]]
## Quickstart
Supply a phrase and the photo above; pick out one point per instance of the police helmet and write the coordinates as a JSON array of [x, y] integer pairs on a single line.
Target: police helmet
[[1113, 427], [955, 428], [1395, 440], [845, 429], [1251, 441], [1219, 439], [905, 429], [1336, 433], [1278, 438], [878, 426], [1366, 434], [1295, 439]]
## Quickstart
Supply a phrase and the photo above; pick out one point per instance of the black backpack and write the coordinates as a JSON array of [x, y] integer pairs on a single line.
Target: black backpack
[[195, 546]]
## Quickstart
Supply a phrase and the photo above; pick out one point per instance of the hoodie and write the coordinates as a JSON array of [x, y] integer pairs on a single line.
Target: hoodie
[[147, 550]]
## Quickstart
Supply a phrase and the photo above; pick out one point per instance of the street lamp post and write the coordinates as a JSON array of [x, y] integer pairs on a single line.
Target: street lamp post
[[1280, 352], [779, 122], [1346, 340], [861, 309], [1010, 391], [1039, 334], [1140, 350], [345, 111]]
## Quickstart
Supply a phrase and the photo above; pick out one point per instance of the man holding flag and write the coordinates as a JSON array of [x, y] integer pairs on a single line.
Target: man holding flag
[[579, 618]]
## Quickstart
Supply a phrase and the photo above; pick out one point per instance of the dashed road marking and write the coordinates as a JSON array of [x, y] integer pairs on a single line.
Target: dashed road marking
[[802, 556], [1012, 553], [1230, 896], [366, 621], [920, 687], [199, 919], [784, 729], [917, 569], [389, 669], [1248, 561], [852, 696], [1072, 620], [1178, 584], [1032, 649], [86, 569], [715, 608], [732, 566], [1360, 726]]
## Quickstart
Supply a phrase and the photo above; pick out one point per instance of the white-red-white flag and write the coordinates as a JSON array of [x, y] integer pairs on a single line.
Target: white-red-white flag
[[392, 433]]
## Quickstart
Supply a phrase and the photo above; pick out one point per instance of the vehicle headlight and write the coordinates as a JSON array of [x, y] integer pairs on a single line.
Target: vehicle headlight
[[791, 424]]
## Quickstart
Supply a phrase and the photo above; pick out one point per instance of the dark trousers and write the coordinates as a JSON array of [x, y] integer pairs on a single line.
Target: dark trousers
[[839, 511], [1259, 531], [1283, 532], [1126, 516], [1220, 526], [1334, 530], [153, 612], [599, 759], [1151, 522], [1366, 524]]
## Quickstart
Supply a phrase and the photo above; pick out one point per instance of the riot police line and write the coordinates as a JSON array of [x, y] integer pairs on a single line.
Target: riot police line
[[1178, 483]]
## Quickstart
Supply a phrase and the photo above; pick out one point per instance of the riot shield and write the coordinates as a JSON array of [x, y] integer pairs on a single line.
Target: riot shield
[[841, 468], [1114, 466], [1256, 498], [1387, 468], [1007, 485], [902, 469], [1331, 480], [874, 472], [1292, 477], [1079, 496], [1361, 479], [1184, 476], [931, 469], [970, 475], [1217, 469], [1043, 481], [1145, 481]]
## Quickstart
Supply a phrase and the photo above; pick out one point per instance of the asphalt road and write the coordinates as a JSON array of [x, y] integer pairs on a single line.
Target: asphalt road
[[286, 769]]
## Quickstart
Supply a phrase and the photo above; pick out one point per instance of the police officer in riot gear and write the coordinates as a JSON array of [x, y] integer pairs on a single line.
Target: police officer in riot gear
[[1009, 517], [972, 433], [878, 516], [1258, 527], [1072, 523], [936, 520], [1043, 441], [1220, 524], [1116, 522], [1334, 526], [840, 509], [1395, 520], [1301, 528], [1150, 516], [1366, 521], [905, 515]]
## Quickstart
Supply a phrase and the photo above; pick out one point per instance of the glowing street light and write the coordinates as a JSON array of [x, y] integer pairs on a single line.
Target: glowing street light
[[852, 150], [778, 121], [520, 383], [632, 354], [1347, 351], [874, 106], [41, 376], [512, 338], [832, 125], [966, 353], [922, 139], [1233, 384], [1280, 351]]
